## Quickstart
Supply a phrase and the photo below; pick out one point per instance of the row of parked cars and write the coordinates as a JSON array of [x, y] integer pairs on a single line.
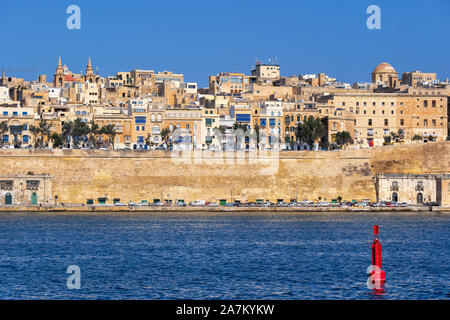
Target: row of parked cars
[[304, 203]]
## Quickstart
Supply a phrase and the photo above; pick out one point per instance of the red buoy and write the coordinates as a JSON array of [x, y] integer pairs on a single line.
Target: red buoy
[[377, 276]]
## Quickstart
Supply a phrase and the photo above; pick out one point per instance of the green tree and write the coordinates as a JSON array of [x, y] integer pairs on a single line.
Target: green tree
[[94, 131], [80, 129], [66, 131], [110, 131], [310, 131], [3, 129], [257, 129], [39, 133], [339, 199], [56, 139], [417, 137], [17, 130], [165, 133], [242, 126], [343, 138]]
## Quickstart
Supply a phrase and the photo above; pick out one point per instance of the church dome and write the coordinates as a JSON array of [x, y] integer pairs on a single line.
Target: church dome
[[384, 67]]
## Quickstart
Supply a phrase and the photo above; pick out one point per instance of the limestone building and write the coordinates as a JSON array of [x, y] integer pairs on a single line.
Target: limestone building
[[414, 188], [25, 189]]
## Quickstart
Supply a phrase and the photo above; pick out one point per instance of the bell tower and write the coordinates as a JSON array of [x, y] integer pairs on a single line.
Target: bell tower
[[58, 77], [89, 76]]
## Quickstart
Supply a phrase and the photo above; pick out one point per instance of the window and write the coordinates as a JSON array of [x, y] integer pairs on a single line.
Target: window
[[33, 184], [433, 122], [370, 122], [143, 128], [402, 122], [140, 120], [425, 122], [137, 128], [25, 139], [386, 122]]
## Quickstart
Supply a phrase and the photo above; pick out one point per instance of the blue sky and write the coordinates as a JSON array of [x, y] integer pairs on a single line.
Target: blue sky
[[200, 38]]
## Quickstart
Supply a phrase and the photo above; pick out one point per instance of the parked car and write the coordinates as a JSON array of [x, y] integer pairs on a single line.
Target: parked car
[[197, 203], [120, 204], [431, 204], [361, 204], [212, 204]]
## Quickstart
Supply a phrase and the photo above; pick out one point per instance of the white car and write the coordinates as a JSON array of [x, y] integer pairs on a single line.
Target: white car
[[120, 204], [198, 203]]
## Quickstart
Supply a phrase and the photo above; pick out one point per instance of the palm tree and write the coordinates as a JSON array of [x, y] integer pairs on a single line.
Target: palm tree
[[93, 132], [165, 134], [35, 131], [110, 131], [40, 132], [257, 129], [3, 129], [16, 131], [310, 131], [66, 131], [45, 129]]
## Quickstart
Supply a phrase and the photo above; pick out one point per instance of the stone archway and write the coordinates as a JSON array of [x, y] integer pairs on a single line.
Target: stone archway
[[420, 197], [395, 197]]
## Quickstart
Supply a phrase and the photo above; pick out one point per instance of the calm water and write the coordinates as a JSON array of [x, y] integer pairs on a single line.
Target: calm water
[[201, 256]]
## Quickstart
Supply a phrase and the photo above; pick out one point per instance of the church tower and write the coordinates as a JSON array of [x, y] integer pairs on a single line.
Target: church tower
[[89, 76], [58, 77]]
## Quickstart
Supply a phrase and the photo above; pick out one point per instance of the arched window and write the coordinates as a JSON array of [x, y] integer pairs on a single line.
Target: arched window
[[419, 186], [159, 117], [394, 186], [153, 117]]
